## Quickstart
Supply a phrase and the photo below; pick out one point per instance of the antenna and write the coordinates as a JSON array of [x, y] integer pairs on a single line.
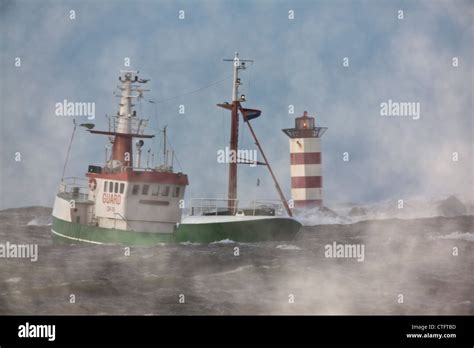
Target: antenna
[[165, 154], [125, 124], [148, 159], [172, 159], [239, 64]]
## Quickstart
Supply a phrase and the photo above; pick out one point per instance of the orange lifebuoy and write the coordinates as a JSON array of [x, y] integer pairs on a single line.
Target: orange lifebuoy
[[92, 184]]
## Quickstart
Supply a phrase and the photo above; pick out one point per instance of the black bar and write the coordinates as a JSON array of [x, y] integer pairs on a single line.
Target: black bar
[[225, 330]]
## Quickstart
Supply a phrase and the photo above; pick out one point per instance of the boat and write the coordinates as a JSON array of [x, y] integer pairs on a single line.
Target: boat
[[122, 202], [232, 218]]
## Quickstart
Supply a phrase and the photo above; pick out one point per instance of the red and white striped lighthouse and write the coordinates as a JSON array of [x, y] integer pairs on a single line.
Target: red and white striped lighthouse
[[305, 154]]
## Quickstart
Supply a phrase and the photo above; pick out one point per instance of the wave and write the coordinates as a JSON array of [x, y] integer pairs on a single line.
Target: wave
[[40, 221], [288, 247], [410, 208], [189, 243], [224, 241], [318, 216], [467, 236], [235, 270]]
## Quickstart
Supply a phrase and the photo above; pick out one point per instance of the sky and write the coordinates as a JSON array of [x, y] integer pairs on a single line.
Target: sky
[[297, 62]]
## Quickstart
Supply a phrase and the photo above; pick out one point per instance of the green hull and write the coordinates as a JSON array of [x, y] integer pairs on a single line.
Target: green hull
[[271, 229]]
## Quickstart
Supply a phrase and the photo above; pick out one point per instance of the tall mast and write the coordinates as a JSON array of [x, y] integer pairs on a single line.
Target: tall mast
[[122, 147], [248, 114], [125, 127], [238, 64]]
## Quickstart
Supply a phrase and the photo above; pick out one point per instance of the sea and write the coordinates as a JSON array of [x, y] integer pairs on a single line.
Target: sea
[[409, 266]]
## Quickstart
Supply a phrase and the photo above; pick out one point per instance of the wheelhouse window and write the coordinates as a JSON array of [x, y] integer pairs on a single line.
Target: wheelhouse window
[[111, 187], [155, 191], [105, 186], [135, 189], [116, 187], [176, 191], [145, 189], [166, 191], [122, 187]]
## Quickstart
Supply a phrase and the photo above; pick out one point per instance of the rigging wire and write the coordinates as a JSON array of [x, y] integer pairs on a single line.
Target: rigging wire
[[69, 148], [154, 102], [160, 134], [241, 125], [191, 92], [175, 156], [155, 142], [248, 93]]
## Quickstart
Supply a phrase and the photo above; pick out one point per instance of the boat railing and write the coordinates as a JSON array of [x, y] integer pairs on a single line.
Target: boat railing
[[74, 185], [242, 207]]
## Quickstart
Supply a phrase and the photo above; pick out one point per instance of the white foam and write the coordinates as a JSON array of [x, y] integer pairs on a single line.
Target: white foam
[[288, 247], [468, 236], [236, 270], [189, 243], [413, 208], [223, 241], [40, 221], [315, 216]]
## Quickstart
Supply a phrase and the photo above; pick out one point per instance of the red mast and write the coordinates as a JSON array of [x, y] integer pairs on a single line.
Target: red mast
[[238, 64], [234, 138], [126, 126], [248, 114]]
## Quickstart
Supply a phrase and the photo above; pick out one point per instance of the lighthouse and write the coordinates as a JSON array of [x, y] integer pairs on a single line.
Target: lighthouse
[[305, 157]]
